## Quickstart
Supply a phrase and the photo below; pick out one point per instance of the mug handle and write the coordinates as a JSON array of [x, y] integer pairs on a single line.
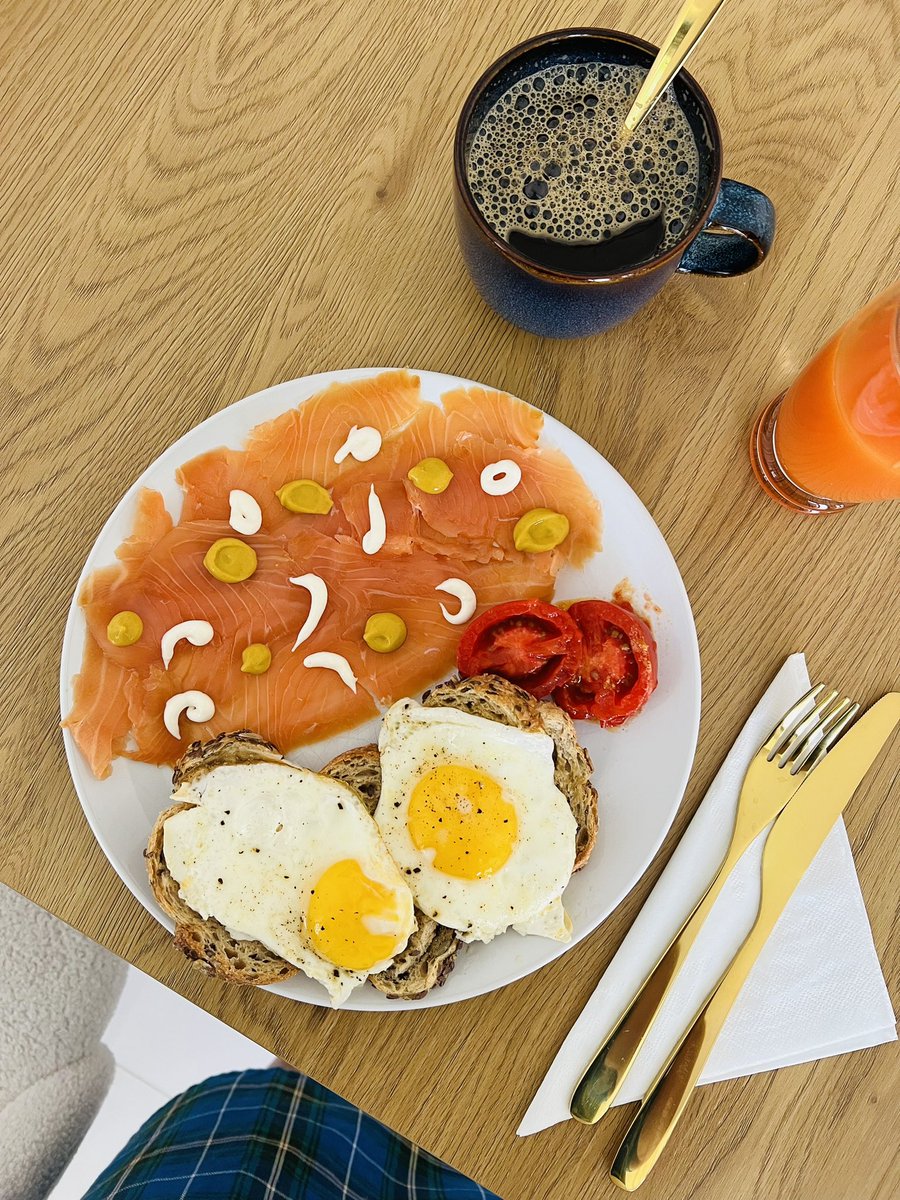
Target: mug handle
[[738, 235]]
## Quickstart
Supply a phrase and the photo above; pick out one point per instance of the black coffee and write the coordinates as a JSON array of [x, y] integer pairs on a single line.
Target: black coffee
[[551, 174]]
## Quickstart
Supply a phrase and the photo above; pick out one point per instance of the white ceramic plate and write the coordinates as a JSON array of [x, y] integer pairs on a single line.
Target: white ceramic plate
[[641, 770]]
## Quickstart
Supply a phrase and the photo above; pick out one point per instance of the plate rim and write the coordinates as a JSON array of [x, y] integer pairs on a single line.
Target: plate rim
[[312, 384]]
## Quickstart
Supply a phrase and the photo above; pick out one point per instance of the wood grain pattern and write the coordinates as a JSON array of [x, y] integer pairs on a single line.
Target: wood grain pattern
[[201, 199]]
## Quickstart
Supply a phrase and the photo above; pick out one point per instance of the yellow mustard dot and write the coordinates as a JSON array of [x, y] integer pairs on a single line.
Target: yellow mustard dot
[[304, 496], [125, 628], [384, 632], [230, 560], [431, 475], [539, 530], [256, 659]]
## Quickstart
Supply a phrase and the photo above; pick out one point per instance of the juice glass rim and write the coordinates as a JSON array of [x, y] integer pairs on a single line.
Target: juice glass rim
[[575, 33]]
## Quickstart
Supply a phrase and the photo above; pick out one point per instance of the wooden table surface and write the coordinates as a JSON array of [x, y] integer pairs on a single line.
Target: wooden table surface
[[201, 198]]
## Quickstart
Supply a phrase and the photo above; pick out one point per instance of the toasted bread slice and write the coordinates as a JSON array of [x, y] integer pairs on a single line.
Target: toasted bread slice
[[430, 955], [572, 775], [205, 941], [427, 959], [225, 750]]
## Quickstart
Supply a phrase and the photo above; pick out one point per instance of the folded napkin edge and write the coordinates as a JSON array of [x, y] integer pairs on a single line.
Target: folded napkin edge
[[550, 1102]]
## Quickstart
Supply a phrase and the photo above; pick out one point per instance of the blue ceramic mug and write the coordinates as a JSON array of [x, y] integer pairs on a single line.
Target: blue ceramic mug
[[731, 232]]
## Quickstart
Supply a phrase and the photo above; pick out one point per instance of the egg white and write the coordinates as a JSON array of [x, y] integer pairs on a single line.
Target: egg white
[[525, 891], [253, 846]]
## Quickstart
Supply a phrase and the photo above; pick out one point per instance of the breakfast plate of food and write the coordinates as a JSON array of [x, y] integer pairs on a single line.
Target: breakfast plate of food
[[379, 688]]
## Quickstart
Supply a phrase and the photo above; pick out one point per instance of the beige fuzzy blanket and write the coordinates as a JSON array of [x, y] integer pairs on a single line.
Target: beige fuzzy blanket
[[57, 993]]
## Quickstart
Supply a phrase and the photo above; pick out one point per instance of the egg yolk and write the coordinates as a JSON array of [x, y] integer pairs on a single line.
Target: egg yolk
[[539, 530], [256, 659], [353, 921], [230, 560], [431, 475], [304, 496], [461, 815], [385, 632], [125, 628]]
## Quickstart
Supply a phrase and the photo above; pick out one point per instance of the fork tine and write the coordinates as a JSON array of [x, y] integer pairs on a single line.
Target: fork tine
[[781, 734], [801, 756], [836, 731], [837, 712], [808, 728]]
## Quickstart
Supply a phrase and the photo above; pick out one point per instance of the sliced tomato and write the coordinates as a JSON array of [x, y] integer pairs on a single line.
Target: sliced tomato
[[529, 642], [618, 670]]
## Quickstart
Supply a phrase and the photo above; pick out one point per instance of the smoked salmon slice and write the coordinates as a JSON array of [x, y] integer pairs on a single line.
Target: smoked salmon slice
[[209, 479], [99, 719], [151, 524], [429, 652], [170, 585], [289, 705], [492, 416], [121, 693], [548, 481], [302, 443]]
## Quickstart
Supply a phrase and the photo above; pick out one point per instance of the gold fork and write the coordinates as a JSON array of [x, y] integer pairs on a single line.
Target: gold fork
[[795, 747]]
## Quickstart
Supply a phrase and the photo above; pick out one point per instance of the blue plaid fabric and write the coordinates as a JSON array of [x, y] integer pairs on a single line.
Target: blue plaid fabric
[[273, 1135]]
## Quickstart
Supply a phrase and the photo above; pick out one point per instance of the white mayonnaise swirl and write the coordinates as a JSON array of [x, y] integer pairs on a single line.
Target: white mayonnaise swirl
[[374, 539], [464, 594], [500, 478], [318, 598], [196, 706], [333, 662], [246, 515], [198, 633], [362, 443]]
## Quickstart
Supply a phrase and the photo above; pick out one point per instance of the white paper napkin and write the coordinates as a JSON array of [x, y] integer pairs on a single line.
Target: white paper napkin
[[816, 989]]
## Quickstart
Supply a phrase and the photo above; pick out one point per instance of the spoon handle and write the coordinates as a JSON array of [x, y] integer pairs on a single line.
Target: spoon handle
[[690, 25]]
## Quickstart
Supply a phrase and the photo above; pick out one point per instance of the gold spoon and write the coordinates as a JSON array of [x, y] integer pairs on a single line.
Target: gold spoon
[[691, 23]]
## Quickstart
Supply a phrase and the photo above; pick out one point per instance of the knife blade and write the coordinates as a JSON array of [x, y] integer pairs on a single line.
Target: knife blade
[[793, 842]]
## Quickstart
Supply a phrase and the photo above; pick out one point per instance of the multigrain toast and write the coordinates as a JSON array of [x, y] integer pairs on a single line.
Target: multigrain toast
[[207, 942], [429, 957], [431, 951]]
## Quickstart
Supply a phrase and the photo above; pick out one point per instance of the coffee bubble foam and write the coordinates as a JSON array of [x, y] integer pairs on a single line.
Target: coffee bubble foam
[[547, 158]]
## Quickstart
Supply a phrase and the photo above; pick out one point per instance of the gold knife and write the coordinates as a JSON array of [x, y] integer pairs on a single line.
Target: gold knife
[[793, 843]]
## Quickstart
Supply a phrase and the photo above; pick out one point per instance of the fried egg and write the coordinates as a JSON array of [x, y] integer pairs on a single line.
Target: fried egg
[[290, 858], [471, 814]]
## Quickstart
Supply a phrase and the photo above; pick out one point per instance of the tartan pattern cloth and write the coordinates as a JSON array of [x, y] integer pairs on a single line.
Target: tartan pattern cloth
[[273, 1135]]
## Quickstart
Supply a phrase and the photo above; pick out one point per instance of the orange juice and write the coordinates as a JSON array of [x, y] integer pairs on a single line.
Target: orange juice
[[837, 428]]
